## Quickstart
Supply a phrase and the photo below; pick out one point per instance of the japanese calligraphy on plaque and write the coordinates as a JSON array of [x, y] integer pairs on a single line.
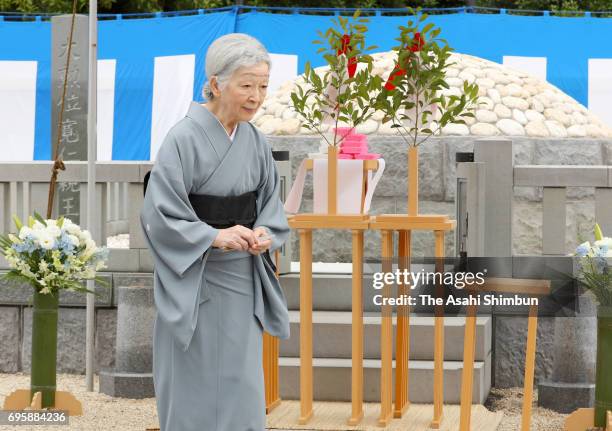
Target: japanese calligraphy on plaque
[[73, 128]]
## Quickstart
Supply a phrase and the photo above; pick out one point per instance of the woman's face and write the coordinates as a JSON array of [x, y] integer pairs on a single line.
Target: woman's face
[[243, 94]]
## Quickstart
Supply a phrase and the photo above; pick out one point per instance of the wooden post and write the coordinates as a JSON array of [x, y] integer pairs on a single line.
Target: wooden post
[[305, 326], [271, 351], [386, 347], [532, 330], [467, 375], [580, 420], [438, 339], [332, 179], [357, 330], [402, 340], [413, 181]]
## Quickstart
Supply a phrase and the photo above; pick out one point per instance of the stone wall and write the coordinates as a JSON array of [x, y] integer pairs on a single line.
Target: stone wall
[[437, 183], [16, 325]]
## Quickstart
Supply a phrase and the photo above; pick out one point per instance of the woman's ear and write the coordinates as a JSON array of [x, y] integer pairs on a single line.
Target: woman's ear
[[214, 86]]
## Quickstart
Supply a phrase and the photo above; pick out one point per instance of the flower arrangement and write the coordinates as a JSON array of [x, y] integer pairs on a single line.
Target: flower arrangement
[[52, 255], [595, 267]]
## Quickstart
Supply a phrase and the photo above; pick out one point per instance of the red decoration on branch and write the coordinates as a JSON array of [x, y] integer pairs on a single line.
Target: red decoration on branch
[[398, 72], [346, 49], [420, 42]]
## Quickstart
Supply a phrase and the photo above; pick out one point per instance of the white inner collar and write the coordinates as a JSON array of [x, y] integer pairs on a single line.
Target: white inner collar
[[231, 136]]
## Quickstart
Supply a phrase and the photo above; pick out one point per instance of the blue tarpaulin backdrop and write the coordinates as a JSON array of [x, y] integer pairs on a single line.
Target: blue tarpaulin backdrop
[[567, 43]]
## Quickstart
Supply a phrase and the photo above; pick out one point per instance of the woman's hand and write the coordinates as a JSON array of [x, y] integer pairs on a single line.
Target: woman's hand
[[235, 238], [263, 241]]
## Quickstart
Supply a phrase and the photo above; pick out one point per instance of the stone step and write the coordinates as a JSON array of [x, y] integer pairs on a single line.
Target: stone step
[[332, 336], [332, 380], [333, 291]]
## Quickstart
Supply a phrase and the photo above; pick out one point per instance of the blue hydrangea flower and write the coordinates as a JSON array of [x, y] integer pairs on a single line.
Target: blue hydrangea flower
[[583, 249]]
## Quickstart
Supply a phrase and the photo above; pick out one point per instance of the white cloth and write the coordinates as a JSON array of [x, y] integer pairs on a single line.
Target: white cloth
[[350, 173]]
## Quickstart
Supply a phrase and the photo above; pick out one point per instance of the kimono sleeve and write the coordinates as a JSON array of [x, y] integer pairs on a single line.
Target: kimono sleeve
[[175, 234], [271, 214]]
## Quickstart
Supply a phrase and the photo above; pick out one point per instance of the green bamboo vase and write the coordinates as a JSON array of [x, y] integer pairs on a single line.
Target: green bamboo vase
[[44, 347], [603, 377]]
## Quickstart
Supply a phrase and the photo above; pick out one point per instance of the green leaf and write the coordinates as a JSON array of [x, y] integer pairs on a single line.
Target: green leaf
[[17, 222], [39, 218], [597, 231]]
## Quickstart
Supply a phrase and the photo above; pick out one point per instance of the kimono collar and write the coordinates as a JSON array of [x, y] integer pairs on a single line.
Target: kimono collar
[[210, 122]]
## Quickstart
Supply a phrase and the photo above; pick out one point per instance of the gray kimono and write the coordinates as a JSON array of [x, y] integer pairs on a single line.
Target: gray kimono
[[211, 306]]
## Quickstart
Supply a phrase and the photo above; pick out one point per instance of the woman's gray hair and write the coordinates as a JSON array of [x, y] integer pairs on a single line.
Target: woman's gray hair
[[229, 53]]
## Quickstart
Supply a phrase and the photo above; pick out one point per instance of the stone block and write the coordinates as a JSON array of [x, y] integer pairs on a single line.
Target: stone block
[[607, 153], [106, 334], [523, 150], [10, 331], [127, 385], [568, 152], [332, 380], [135, 319], [70, 340], [145, 259], [526, 228], [21, 293], [510, 342], [561, 176], [123, 260], [131, 279], [566, 397], [533, 194]]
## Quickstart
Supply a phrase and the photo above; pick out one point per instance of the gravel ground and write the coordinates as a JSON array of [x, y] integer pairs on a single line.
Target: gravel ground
[[510, 401], [102, 412]]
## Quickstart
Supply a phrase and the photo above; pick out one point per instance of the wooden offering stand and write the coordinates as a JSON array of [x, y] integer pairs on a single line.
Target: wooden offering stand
[[584, 420], [405, 224], [20, 400], [534, 288], [270, 361], [305, 224]]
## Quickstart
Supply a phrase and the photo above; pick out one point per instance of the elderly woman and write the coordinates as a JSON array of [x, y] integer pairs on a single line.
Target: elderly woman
[[212, 214]]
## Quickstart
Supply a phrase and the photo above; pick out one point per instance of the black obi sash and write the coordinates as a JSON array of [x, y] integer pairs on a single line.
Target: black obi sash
[[222, 212]]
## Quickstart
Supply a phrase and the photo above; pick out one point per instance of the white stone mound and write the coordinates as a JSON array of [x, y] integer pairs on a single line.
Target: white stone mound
[[511, 103]]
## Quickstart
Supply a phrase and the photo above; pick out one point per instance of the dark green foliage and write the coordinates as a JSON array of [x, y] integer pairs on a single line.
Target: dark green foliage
[[131, 6]]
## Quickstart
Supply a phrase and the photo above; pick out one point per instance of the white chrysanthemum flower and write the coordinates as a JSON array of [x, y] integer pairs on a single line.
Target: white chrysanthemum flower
[[38, 226], [72, 228], [85, 235], [54, 231], [74, 240], [90, 244], [604, 242], [24, 232], [46, 241]]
